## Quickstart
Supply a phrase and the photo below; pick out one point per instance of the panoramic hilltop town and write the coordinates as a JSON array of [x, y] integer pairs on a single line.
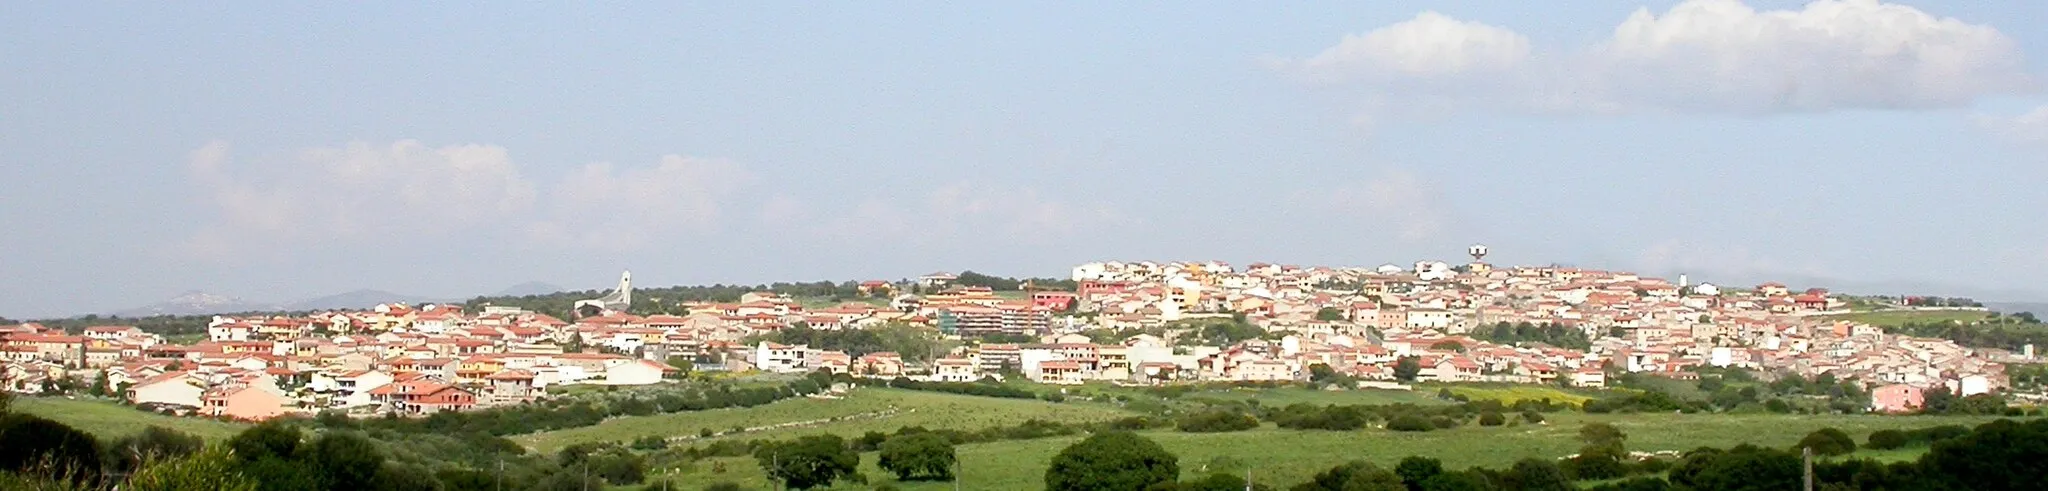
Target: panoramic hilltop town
[[1140, 323]]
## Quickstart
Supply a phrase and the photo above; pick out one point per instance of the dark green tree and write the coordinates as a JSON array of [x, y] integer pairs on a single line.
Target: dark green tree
[[1329, 314], [1999, 455], [1887, 440], [1828, 441], [1406, 368], [272, 439], [209, 470], [1743, 468], [273, 473], [1416, 469], [1458, 481], [1534, 474], [918, 456], [1601, 434], [152, 444], [1217, 481], [403, 477], [28, 441], [345, 460], [1111, 461], [808, 462], [1356, 475]]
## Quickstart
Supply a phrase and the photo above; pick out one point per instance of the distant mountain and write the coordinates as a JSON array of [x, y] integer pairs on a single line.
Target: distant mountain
[[529, 288], [360, 299], [202, 303], [2039, 309], [196, 303]]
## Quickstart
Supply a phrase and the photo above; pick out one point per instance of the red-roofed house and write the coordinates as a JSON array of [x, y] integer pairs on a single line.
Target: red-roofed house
[[247, 403], [423, 396]]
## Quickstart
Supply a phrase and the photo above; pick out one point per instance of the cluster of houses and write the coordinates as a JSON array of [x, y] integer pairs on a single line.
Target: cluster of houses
[[1360, 322]]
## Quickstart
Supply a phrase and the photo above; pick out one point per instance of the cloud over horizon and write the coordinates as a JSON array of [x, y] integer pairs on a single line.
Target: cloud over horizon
[[362, 191], [1701, 56]]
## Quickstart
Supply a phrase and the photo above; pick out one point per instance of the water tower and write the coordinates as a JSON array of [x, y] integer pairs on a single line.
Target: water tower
[[1478, 265]]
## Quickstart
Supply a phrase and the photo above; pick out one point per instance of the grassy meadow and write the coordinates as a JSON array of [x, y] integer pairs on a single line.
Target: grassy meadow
[[861, 410], [1274, 455], [1288, 456], [1902, 317], [108, 420]]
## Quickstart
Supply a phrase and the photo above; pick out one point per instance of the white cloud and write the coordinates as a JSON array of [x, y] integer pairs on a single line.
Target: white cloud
[[1396, 201], [1715, 56], [601, 206], [1679, 256], [2029, 128], [964, 211], [1429, 44], [364, 193]]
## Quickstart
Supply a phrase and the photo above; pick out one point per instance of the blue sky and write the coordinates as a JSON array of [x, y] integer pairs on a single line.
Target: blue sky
[[279, 152]]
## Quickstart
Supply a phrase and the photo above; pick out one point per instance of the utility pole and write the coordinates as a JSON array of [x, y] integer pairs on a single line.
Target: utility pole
[[500, 486], [1806, 458], [956, 474]]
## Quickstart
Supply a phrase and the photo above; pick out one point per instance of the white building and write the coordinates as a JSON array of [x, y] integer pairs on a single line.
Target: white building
[[637, 372], [783, 358]]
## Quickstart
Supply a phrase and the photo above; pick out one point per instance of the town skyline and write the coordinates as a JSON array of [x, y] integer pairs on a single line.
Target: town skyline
[[202, 302]]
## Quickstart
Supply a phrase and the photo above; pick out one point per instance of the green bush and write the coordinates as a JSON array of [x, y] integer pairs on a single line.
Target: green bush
[[1410, 422], [1887, 440], [1828, 441], [1492, 419], [1216, 421]]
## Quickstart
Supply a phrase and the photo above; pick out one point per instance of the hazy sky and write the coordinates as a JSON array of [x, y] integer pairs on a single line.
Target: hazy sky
[[279, 152]]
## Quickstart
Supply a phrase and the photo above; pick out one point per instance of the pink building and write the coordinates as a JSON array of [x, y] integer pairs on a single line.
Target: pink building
[[244, 403], [1897, 398]]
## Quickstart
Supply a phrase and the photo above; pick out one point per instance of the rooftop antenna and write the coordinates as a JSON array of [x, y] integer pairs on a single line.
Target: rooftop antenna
[[1478, 252]]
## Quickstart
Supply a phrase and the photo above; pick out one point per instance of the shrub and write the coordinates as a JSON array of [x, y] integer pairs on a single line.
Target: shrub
[[1216, 421], [1532, 417], [1115, 460], [1409, 422], [1939, 433], [1492, 419], [1828, 441], [1887, 440], [918, 456]]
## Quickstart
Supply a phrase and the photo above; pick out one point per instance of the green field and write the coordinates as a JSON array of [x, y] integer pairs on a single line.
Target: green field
[[1275, 455], [108, 420], [1287, 456], [862, 410], [1902, 317], [1293, 395], [1511, 393]]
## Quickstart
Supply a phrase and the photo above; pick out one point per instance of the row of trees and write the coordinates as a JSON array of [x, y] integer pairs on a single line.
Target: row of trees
[[2002, 455], [998, 283], [571, 413], [1524, 332], [665, 300], [2010, 333], [987, 388], [913, 343]]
